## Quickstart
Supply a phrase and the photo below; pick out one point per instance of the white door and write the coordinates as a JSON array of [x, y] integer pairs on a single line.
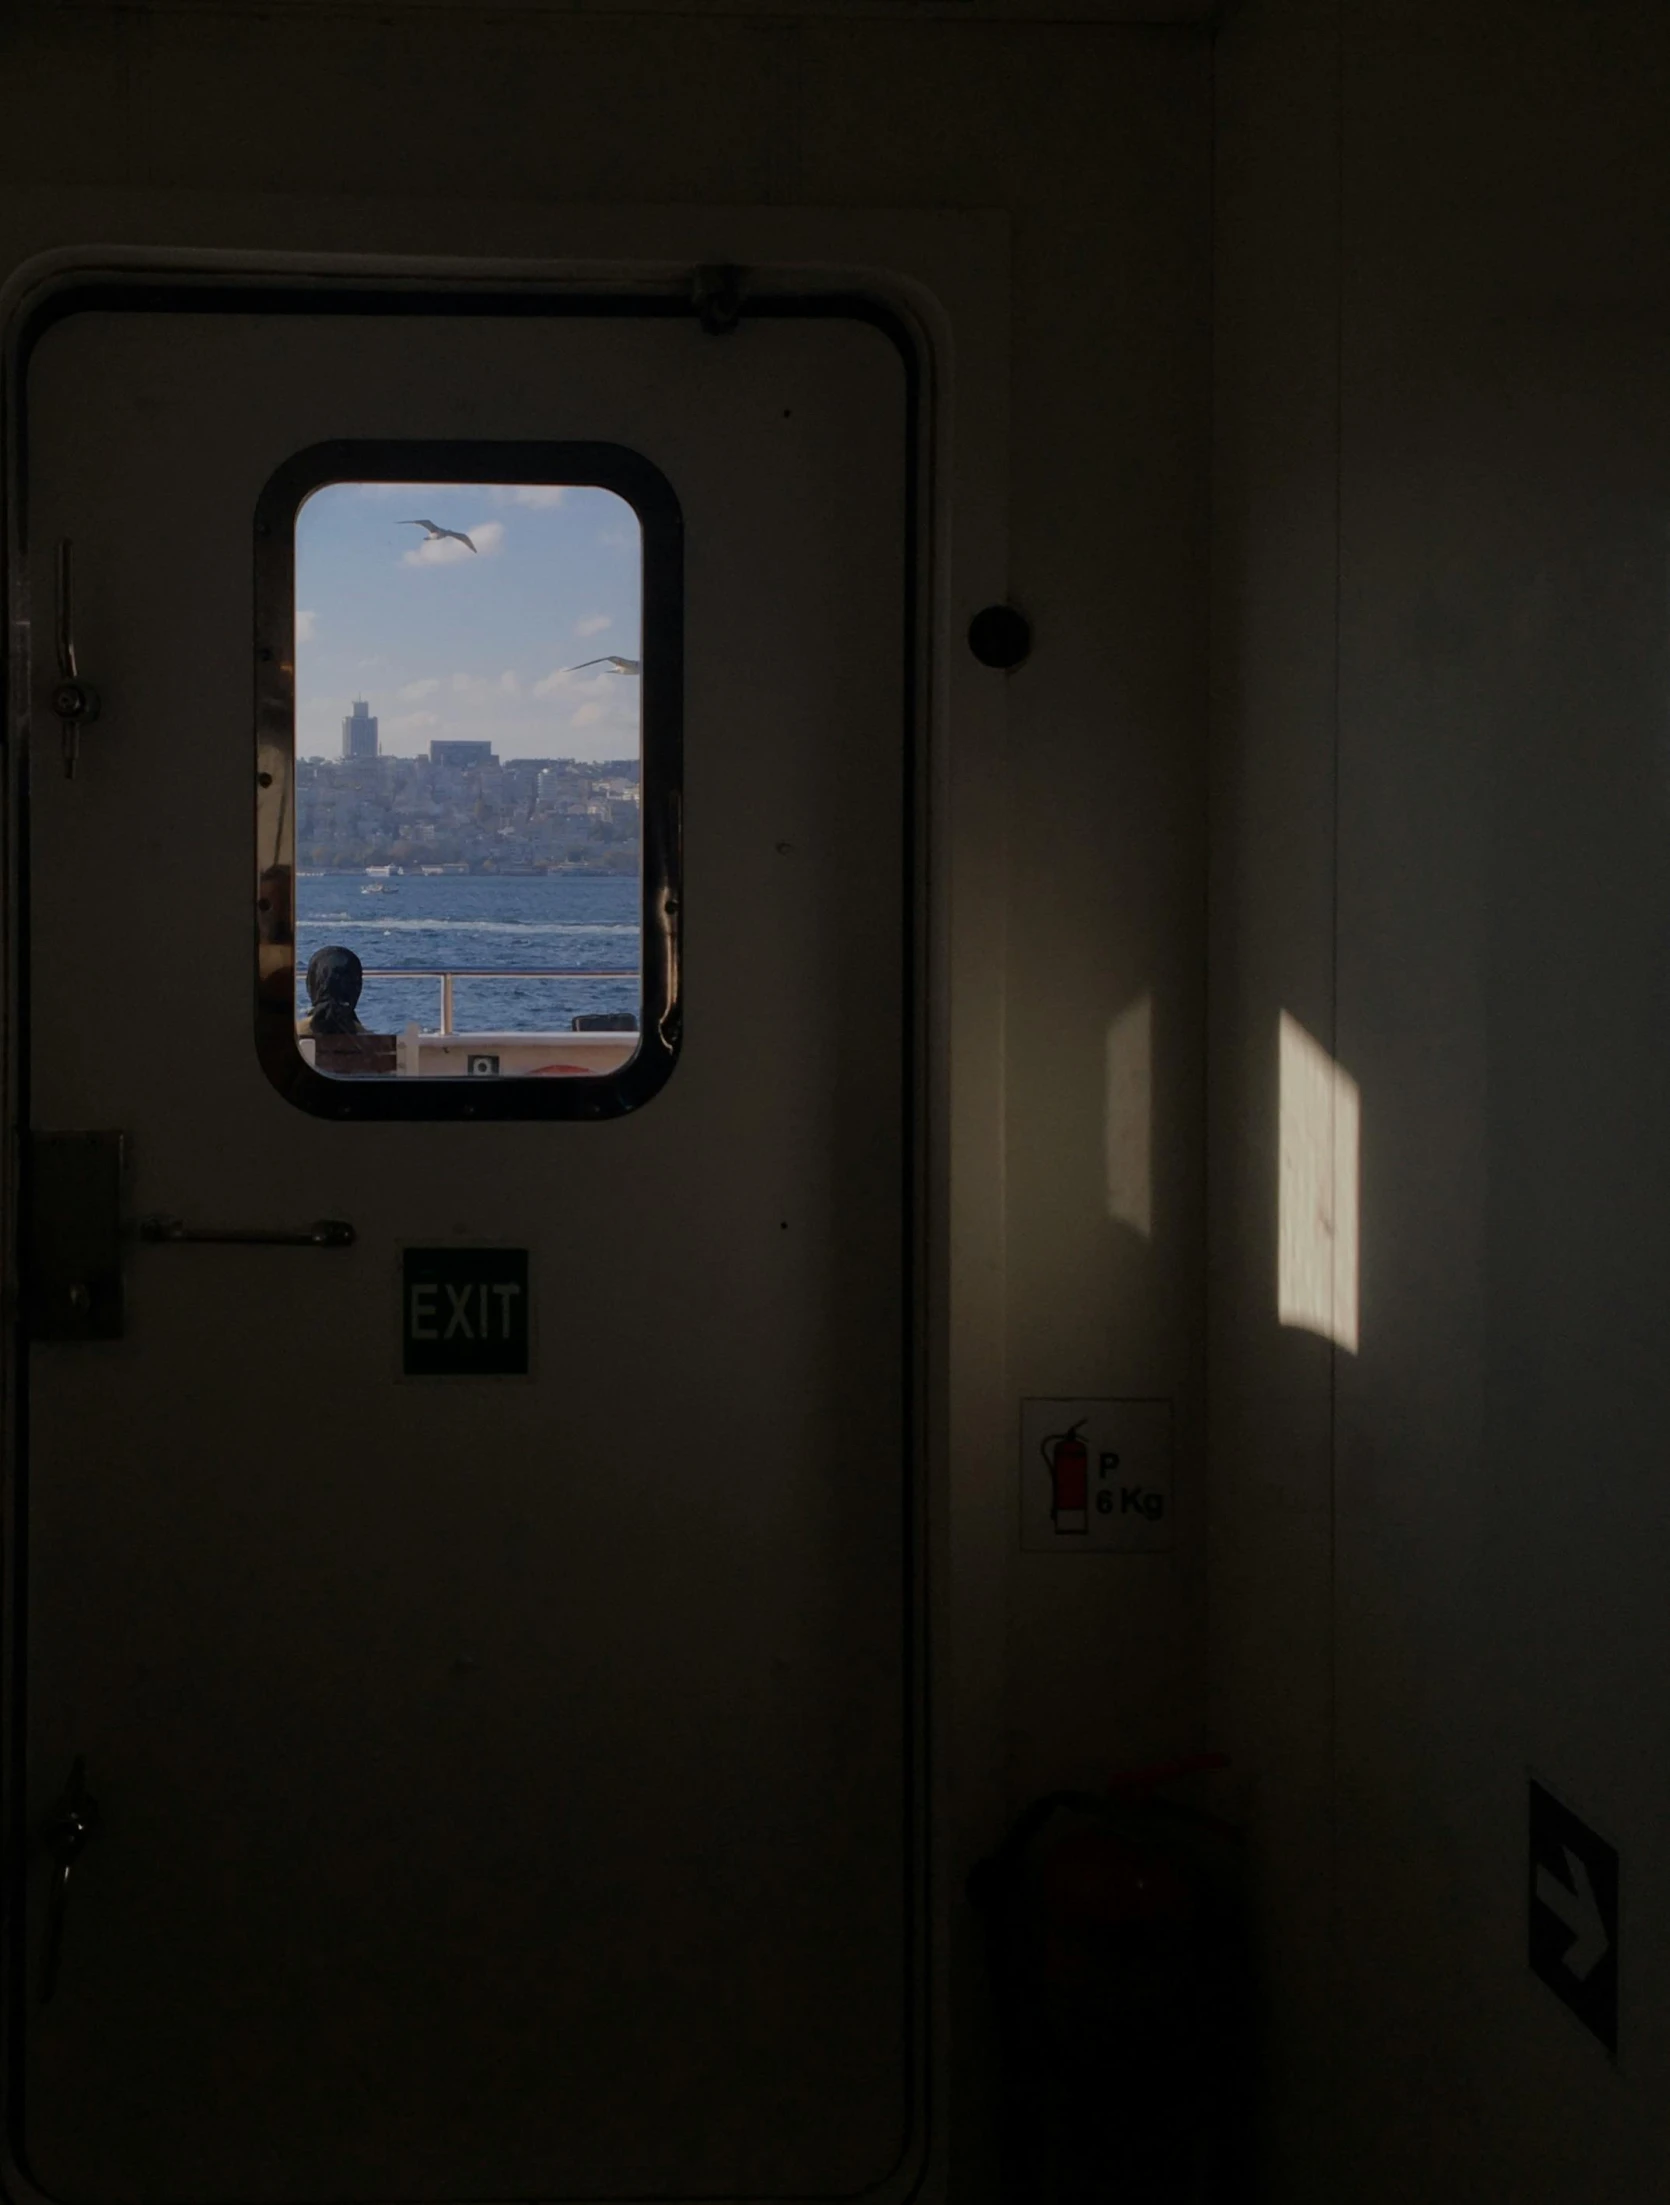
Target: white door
[[506, 1786]]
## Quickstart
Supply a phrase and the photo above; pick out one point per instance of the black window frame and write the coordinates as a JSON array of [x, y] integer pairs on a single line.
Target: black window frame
[[636, 480]]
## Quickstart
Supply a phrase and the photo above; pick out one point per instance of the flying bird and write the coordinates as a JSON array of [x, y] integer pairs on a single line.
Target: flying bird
[[620, 665], [436, 532]]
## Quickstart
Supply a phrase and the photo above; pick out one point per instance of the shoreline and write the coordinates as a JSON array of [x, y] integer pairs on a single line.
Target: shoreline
[[529, 872]]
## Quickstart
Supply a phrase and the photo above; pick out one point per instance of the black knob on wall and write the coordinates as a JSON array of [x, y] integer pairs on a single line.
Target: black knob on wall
[[1001, 637]]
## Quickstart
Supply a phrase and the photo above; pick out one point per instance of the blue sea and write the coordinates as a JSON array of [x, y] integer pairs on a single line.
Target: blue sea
[[578, 922]]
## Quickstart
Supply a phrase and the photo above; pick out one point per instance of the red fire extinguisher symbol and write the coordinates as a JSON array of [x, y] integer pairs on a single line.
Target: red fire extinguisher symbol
[[1068, 1461]]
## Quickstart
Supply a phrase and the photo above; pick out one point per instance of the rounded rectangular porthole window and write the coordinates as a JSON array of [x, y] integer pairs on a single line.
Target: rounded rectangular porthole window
[[468, 681]]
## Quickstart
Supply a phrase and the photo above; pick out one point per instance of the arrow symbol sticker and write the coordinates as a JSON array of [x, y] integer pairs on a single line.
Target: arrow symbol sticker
[[1571, 1909], [1575, 1905]]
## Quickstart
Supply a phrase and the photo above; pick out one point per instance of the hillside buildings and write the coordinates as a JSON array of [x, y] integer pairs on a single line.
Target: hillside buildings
[[463, 808]]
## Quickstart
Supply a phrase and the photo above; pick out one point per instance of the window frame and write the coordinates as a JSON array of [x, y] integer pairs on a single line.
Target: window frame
[[636, 480]]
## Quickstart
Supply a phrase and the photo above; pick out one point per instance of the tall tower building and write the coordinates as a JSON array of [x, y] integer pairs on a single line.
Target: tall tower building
[[359, 732]]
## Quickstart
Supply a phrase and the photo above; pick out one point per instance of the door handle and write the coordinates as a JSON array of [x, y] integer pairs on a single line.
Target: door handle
[[74, 1825], [324, 1232]]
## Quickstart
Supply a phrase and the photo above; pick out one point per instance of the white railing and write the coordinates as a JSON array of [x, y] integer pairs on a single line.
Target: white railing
[[446, 975]]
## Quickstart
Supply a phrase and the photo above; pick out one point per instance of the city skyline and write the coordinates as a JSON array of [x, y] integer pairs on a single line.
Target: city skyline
[[444, 642], [446, 751]]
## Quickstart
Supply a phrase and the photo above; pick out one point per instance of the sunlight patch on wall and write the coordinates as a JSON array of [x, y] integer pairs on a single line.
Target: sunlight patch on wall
[[1130, 1103], [1316, 1273]]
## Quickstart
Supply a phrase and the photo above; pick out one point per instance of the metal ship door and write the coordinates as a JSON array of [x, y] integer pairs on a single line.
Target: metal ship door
[[456, 1781]]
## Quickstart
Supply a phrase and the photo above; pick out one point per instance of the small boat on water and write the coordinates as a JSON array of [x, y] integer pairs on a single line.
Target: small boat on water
[[379, 888]]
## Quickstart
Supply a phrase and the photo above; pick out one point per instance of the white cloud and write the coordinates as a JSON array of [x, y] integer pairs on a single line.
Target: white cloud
[[408, 723], [484, 685], [415, 691], [446, 551], [575, 682], [540, 495], [593, 624], [307, 626], [587, 716], [403, 490]]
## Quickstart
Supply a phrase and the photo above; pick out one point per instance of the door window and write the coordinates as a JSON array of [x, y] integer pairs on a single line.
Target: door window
[[467, 894]]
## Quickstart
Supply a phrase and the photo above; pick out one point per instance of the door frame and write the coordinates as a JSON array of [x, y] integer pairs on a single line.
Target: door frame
[[938, 285]]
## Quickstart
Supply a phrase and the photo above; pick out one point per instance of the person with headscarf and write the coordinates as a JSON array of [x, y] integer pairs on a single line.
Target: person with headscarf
[[334, 979]]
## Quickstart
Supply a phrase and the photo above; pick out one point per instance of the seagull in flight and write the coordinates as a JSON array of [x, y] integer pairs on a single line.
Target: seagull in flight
[[436, 532], [620, 665]]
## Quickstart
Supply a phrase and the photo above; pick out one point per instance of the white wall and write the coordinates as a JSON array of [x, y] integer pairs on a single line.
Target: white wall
[[1441, 821]]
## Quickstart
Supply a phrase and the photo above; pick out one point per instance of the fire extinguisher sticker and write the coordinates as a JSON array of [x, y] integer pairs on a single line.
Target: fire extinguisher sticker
[[1096, 1477]]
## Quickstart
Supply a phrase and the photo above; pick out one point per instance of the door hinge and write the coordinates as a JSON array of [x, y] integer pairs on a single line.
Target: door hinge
[[716, 294]]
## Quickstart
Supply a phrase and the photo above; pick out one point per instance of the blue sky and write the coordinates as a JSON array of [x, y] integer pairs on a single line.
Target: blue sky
[[443, 641]]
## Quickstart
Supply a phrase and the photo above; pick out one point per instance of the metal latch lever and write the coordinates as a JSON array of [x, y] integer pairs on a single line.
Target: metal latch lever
[[324, 1232], [74, 701]]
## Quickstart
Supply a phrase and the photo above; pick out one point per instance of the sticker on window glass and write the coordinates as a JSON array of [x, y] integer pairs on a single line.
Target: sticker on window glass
[[469, 777]]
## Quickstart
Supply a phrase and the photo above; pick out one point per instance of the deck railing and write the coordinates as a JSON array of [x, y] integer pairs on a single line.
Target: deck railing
[[447, 974]]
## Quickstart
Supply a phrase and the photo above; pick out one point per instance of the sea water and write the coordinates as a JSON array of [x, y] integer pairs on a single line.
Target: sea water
[[580, 922]]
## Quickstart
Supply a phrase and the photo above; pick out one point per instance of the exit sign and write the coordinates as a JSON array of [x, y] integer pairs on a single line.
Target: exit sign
[[464, 1312]]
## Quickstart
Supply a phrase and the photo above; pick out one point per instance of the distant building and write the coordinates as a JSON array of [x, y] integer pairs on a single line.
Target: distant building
[[359, 732], [449, 753]]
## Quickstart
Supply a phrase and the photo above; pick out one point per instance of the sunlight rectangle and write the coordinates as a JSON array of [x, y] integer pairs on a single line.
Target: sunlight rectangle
[[1316, 1273], [1130, 1103]]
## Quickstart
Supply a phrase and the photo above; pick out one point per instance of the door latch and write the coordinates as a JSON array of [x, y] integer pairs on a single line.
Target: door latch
[[73, 1826], [74, 701], [72, 1197]]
